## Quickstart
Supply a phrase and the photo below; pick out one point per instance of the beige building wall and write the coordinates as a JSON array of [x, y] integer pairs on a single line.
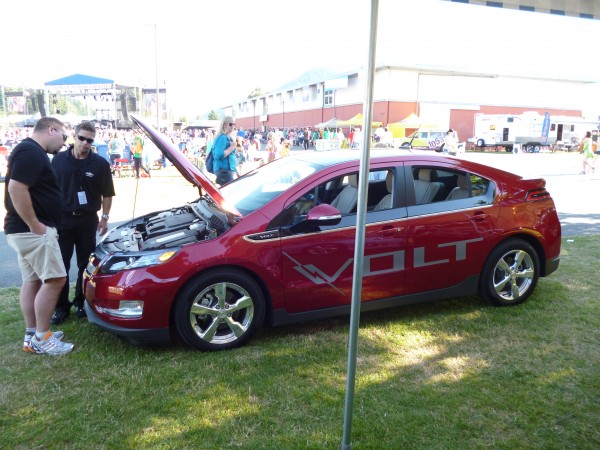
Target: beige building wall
[[574, 8]]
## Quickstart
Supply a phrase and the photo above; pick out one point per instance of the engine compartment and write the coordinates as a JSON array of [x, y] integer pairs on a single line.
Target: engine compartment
[[175, 227]]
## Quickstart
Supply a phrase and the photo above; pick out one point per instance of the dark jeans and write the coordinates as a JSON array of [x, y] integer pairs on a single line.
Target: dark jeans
[[137, 163], [76, 233]]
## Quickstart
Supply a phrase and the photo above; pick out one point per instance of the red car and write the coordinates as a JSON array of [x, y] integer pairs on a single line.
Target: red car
[[277, 245]]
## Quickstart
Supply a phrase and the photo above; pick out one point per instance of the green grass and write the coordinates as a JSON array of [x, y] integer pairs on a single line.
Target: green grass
[[454, 374]]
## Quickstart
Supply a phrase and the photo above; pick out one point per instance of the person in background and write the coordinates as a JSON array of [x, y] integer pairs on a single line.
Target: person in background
[[450, 142], [586, 148], [273, 147], [307, 138], [33, 204], [388, 137], [116, 147], [87, 186], [285, 148], [137, 150], [358, 138], [224, 155]]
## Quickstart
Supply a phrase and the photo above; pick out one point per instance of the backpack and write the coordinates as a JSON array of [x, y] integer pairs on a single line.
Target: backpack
[[210, 162]]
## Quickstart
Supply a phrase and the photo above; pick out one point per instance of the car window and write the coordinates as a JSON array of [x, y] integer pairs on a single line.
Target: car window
[[437, 184], [341, 192]]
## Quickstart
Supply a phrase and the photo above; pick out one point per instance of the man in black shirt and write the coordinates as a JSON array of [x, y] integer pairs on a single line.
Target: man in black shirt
[[33, 203], [86, 183]]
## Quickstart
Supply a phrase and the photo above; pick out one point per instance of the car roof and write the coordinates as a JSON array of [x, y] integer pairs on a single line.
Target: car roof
[[331, 157], [334, 157]]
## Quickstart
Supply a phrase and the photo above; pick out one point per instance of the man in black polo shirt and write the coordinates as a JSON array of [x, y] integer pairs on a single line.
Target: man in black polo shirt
[[33, 202], [86, 183]]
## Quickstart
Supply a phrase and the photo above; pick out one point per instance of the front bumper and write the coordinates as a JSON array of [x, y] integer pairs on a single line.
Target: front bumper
[[143, 336]]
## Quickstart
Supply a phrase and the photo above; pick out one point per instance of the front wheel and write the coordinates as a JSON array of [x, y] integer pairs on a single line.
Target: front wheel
[[219, 310], [510, 273]]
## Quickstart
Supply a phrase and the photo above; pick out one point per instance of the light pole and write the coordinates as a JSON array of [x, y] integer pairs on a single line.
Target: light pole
[[254, 114], [283, 114], [156, 73]]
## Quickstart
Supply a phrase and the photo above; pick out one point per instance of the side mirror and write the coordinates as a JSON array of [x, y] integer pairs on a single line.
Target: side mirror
[[324, 214]]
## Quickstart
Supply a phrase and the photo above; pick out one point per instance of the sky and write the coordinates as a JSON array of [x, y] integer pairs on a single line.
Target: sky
[[209, 54]]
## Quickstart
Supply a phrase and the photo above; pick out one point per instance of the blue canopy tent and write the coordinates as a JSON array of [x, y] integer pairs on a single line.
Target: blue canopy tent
[[80, 80], [100, 95]]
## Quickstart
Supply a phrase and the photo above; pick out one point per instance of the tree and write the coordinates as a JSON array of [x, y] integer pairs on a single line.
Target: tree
[[213, 116], [256, 92]]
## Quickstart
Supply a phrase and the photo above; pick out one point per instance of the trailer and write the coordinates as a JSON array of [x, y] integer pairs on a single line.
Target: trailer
[[526, 130]]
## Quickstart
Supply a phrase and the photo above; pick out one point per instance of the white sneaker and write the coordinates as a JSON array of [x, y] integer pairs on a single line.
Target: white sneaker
[[50, 345], [27, 340]]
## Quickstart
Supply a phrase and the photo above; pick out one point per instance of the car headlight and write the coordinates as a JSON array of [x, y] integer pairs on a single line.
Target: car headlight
[[118, 263], [128, 309]]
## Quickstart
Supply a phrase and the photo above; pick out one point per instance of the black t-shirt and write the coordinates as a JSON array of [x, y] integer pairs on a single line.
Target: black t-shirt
[[28, 163], [91, 175]]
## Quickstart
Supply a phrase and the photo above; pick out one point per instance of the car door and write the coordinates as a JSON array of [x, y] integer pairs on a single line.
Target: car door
[[451, 233], [318, 265]]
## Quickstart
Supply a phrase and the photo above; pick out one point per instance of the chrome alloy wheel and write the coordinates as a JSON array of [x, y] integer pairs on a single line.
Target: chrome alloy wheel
[[221, 313], [513, 275]]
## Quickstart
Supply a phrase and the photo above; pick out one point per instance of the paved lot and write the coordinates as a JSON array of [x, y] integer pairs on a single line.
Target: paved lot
[[576, 196]]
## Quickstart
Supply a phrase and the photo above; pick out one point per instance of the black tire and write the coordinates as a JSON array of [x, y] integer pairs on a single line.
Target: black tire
[[219, 310], [480, 143], [510, 273], [405, 145]]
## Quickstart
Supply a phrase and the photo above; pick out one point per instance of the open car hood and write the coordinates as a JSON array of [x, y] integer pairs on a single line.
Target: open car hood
[[189, 171]]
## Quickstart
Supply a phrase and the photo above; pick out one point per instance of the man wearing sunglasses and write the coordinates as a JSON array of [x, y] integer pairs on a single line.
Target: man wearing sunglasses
[[33, 202], [87, 187]]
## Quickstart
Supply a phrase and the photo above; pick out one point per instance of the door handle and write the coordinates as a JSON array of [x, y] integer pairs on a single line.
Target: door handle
[[479, 217], [388, 231]]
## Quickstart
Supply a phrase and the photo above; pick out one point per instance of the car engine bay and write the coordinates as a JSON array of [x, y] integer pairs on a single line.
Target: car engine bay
[[167, 229]]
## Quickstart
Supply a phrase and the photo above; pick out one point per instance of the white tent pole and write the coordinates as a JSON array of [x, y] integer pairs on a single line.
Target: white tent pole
[[361, 215]]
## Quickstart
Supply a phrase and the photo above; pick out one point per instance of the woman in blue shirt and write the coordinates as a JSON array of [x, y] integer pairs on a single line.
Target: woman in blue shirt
[[225, 159]]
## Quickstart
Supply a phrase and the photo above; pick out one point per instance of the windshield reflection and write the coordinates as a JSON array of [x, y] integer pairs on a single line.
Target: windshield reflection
[[257, 188]]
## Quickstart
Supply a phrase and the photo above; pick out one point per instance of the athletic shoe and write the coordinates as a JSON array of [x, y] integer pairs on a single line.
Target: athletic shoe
[[27, 340], [50, 345]]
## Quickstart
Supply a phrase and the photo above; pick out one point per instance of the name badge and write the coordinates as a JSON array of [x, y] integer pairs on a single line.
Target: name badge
[[82, 198]]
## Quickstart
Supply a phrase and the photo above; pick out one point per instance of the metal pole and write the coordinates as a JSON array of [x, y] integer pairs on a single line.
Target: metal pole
[[359, 246], [157, 88]]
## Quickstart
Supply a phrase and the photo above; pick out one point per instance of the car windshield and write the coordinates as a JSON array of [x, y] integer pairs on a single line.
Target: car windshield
[[257, 188]]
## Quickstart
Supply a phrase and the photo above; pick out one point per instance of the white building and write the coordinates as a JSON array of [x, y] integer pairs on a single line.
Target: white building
[[449, 98]]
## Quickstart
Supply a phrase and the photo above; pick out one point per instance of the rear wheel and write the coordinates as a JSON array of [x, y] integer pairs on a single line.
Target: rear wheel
[[219, 310], [480, 143], [510, 273]]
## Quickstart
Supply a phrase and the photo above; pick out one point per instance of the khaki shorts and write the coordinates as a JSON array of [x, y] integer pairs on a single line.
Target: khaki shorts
[[39, 256]]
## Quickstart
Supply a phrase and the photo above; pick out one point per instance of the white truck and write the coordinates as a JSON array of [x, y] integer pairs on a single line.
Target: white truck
[[506, 130]]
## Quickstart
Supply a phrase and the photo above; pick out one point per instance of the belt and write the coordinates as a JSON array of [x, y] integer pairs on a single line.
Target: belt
[[79, 213]]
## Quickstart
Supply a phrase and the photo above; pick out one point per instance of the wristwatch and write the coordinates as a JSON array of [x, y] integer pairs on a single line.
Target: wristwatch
[[105, 216]]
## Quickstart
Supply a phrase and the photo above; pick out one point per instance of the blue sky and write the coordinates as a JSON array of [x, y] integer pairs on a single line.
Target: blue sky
[[212, 53]]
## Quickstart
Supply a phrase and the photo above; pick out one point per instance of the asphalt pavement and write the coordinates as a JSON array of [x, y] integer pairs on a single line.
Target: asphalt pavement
[[576, 196]]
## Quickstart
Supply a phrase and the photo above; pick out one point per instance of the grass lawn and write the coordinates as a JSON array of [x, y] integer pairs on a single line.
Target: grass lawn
[[453, 374]]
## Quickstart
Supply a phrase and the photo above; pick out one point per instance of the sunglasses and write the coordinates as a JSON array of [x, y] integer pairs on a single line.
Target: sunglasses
[[88, 140], [63, 134], [232, 124]]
